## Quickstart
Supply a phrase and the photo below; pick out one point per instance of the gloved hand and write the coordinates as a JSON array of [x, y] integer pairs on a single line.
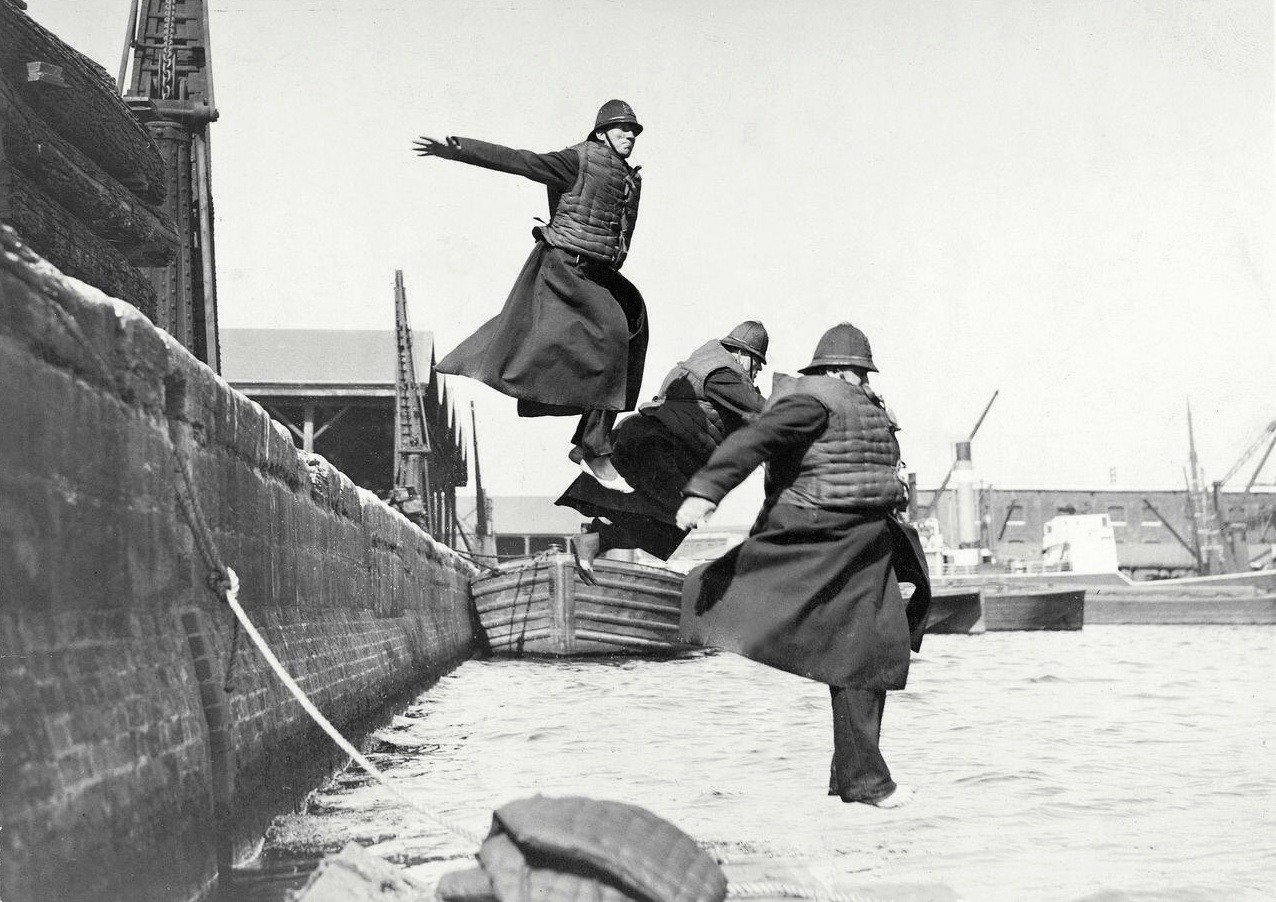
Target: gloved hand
[[694, 511]]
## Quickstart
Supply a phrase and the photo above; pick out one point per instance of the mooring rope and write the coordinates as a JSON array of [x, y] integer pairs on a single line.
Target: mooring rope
[[224, 582], [474, 558], [188, 501], [231, 597]]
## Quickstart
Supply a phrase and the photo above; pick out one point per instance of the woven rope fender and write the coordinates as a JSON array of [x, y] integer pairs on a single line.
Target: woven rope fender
[[575, 848]]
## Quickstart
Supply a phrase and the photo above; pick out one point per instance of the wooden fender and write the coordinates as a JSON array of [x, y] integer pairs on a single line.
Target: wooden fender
[[86, 111], [145, 236], [58, 236]]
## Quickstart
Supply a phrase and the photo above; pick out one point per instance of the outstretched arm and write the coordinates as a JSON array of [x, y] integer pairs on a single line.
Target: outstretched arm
[[794, 420], [434, 147], [556, 170]]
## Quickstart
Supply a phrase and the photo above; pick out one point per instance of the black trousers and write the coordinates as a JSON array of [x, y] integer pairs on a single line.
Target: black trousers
[[593, 432], [636, 531], [858, 773]]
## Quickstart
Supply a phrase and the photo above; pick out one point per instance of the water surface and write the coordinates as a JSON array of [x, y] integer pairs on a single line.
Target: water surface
[[1119, 762]]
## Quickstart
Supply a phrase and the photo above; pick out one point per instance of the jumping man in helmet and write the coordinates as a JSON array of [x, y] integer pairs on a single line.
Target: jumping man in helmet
[[572, 337], [814, 589], [703, 399]]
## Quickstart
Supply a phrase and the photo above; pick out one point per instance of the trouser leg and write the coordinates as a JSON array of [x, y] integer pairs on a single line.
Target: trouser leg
[[859, 772], [634, 531], [609, 536], [593, 432]]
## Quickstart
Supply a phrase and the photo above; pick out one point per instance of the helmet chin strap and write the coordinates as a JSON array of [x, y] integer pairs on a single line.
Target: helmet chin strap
[[607, 138]]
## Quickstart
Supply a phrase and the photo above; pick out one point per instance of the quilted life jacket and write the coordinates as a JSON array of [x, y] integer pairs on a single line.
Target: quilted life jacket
[[595, 217], [681, 405], [853, 465]]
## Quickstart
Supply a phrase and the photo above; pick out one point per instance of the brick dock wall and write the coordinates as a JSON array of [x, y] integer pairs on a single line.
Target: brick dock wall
[[106, 780]]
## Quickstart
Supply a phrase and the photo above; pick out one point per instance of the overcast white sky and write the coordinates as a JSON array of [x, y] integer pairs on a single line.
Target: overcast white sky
[[1069, 202]]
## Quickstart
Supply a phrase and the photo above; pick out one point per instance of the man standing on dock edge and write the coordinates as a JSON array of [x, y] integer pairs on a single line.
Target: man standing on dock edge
[[572, 337], [814, 588]]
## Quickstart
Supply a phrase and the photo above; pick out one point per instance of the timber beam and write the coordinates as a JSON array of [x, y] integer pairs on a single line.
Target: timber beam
[[81, 186], [57, 235], [87, 112]]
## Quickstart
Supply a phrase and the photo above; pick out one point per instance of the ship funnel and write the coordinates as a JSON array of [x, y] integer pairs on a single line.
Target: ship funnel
[[967, 506]]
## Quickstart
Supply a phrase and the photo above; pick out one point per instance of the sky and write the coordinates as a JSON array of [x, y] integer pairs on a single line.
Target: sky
[[1067, 203]]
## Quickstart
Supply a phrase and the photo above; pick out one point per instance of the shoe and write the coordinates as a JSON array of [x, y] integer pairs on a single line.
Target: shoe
[[897, 799], [585, 548], [601, 468]]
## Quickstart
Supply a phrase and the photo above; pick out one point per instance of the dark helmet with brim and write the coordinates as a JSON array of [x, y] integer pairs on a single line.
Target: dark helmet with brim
[[751, 337], [615, 112], [842, 346]]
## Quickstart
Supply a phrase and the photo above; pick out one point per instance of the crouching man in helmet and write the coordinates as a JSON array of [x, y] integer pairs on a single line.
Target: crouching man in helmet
[[814, 589], [571, 339], [701, 401]]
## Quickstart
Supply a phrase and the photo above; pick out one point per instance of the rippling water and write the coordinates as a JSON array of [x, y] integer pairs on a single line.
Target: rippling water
[[1117, 762]]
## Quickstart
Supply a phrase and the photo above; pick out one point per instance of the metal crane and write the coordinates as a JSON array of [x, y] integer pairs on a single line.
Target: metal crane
[[1238, 546], [939, 492], [412, 431], [171, 90], [430, 460], [1268, 435]]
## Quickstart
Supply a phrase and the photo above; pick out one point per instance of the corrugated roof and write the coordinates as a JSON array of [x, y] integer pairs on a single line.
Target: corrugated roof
[[317, 356]]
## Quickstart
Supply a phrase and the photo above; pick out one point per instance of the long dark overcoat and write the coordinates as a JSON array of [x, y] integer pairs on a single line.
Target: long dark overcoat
[[653, 461], [815, 593], [572, 335]]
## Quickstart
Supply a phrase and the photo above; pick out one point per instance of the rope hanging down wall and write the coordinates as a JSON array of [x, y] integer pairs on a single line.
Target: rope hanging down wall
[[224, 582], [225, 585]]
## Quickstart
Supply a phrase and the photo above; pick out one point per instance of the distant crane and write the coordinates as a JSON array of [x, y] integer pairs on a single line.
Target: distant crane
[[1268, 435], [411, 429], [430, 460], [484, 543], [1237, 532], [939, 492]]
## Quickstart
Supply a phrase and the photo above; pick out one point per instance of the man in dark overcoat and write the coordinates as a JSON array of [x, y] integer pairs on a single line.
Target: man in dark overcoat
[[701, 401], [572, 337], [814, 589]]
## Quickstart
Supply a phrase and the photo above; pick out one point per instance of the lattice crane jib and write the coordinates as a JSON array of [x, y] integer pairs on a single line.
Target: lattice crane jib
[[430, 460], [1267, 437], [482, 514], [412, 444], [169, 85]]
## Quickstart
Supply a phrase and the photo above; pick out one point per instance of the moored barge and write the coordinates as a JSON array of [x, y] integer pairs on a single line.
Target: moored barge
[[541, 606]]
